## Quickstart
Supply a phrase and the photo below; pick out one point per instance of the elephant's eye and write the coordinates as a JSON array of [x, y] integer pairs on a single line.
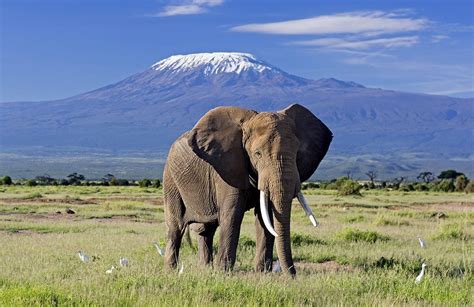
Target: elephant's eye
[[257, 154]]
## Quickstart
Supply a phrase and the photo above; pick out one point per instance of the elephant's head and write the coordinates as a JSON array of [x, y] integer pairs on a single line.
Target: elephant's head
[[281, 149]]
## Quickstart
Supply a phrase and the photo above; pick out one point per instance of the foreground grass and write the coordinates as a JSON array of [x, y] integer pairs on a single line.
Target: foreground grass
[[365, 252]]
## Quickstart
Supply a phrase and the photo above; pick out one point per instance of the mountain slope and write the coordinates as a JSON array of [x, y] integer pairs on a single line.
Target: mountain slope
[[148, 110]]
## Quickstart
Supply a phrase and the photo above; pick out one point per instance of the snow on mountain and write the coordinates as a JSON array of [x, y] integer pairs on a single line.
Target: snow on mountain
[[213, 63]]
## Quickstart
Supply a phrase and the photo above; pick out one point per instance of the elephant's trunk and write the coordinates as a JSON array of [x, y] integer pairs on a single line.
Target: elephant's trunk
[[281, 189]]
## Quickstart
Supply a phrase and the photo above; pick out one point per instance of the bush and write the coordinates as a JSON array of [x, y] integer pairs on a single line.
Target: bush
[[156, 183], [309, 185], [119, 182], [355, 235], [406, 188], [303, 239], [6, 180], [445, 185], [31, 183], [348, 187], [461, 183], [469, 187], [144, 183]]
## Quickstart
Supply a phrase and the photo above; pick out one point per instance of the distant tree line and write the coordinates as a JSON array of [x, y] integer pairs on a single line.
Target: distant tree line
[[75, 179], [446, 181]]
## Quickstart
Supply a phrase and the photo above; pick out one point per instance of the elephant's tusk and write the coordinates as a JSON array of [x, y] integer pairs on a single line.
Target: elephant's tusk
[[306, 208], [264, 213]]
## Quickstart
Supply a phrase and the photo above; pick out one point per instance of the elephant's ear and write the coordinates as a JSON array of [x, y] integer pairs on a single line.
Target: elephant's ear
[[314, 139], [217, 139]]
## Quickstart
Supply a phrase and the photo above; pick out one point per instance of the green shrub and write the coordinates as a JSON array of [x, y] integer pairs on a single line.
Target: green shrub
[[356, 235], [445, 185], [246, 242], [6, 180], [348, 187], [31, 183], [156, 183], [406, 188], [303, 239], [144, 183]]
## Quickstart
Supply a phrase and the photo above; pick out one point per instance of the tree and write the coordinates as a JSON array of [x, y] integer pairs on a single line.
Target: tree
[[108, 178], [6, 180], [75, 178], [144, 183], [449, 174], [427, 177], [156, 183], [372, 175]]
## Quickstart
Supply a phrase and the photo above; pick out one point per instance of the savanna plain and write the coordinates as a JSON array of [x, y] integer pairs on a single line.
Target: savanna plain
[[365, 252]]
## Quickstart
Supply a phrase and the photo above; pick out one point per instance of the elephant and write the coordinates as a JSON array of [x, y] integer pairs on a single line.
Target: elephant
[[232, 160]]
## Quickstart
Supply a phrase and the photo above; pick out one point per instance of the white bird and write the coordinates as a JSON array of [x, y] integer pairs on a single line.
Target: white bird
[[181, 269], [110, 271], [277, 267], [123, 262], [422, 273], [422, 243], [160, 250], [84, 258]]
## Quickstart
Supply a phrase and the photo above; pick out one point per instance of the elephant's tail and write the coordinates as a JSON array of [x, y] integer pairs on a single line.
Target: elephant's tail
[[187, 234]]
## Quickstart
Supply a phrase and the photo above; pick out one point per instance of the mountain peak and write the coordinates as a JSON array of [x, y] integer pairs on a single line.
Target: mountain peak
[[213, 63]]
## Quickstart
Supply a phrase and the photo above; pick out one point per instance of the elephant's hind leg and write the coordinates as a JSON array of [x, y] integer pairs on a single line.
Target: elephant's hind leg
[[175, 223]]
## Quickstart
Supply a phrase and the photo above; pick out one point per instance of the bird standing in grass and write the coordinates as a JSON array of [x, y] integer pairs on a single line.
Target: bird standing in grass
[[84, 258], [160, 250], [422, 243], [123, 262], [110, 271], [419, 278]]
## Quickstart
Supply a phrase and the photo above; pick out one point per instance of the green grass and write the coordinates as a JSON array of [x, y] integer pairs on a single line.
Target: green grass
[[365, 252]]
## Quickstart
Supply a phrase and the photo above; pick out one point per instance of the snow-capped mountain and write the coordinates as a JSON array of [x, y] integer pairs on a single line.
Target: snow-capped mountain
[[213, 63], [148, 110]]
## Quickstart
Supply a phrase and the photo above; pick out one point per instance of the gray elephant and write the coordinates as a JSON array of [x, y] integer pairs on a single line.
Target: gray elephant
[[231, 161]]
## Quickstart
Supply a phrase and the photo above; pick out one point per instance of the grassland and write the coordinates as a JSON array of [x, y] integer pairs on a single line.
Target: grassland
[[365, 252]]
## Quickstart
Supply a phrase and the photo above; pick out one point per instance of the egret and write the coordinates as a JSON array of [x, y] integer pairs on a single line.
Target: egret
[[181, 269], [160, 250], [422, 273], [422, 243], [84, 258], [123, 262], [277, 267], [111, 270]]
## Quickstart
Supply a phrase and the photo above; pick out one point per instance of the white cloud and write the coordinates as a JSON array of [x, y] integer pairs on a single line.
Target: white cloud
[[189, 8], [438, 38], [341, 43], [365, 22]]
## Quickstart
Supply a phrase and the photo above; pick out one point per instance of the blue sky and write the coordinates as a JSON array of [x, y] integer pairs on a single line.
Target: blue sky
[[58, 48]]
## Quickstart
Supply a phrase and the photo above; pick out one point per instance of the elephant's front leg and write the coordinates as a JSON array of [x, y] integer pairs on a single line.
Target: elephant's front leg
[[230, 220], [264, 245]]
